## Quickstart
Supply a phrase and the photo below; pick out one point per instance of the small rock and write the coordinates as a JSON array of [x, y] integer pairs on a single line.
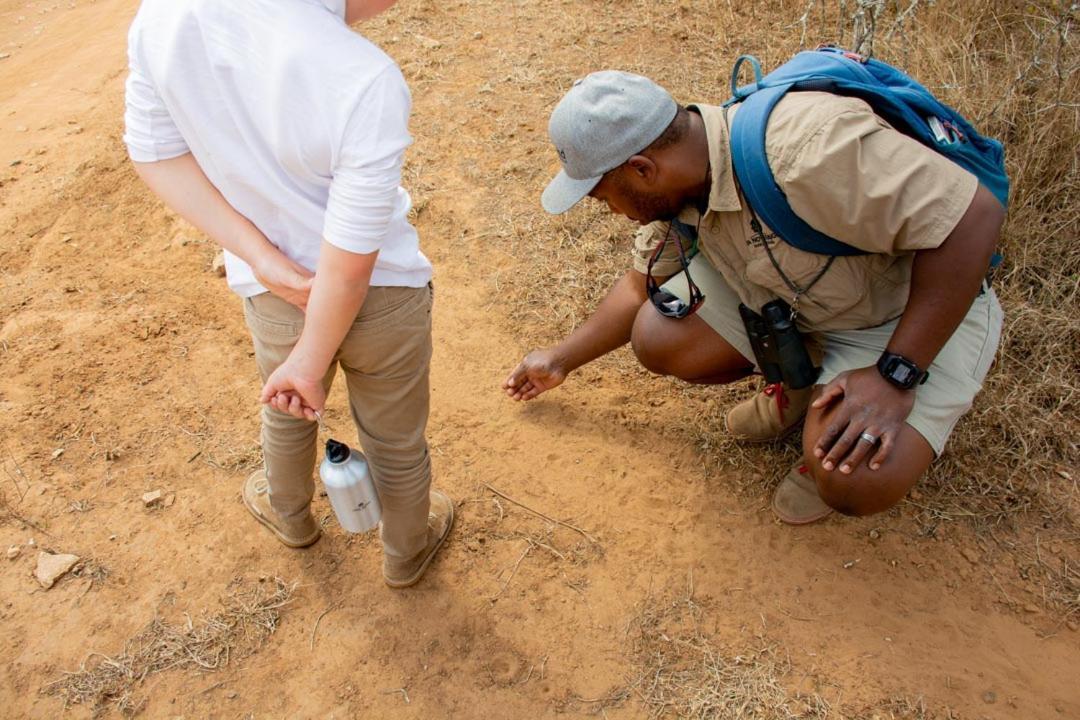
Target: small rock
[[429, 43], [874, 534], [20, 128], [112, 537], [4, 56], [169, 500], [989, 697], [15, 163], [1072, 625], [51, 567], [13, 552], [218, 266], [57, 453], [151, 498], [231, 695], [1031, 608], [31, 543], [478, 35], [971, 556]]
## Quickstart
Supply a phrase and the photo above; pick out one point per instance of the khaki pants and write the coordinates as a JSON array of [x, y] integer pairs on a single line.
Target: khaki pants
[[385, 357]]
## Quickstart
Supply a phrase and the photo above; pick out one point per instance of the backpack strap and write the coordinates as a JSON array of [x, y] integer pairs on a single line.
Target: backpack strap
[[751, 164]]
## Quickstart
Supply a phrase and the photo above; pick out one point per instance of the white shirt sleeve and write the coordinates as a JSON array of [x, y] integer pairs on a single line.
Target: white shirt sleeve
[[365, 193], [149, 133]]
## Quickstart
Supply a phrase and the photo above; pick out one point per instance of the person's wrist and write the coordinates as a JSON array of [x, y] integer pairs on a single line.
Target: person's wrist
[[560, 360], [899, 371]]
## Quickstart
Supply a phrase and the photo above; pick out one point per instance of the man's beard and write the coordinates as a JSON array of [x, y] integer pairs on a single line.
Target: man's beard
[[650, 207]]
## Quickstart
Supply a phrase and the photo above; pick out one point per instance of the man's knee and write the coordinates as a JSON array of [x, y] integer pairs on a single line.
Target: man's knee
[[648, 352], [864, 491], [649, 343]]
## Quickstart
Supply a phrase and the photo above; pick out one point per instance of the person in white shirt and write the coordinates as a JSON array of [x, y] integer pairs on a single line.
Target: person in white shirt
[[280, 132]]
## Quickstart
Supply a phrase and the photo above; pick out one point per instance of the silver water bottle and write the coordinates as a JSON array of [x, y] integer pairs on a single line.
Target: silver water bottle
[[349, 486]]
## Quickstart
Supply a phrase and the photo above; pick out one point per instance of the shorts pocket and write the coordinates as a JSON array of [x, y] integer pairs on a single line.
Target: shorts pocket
[[992, 317]]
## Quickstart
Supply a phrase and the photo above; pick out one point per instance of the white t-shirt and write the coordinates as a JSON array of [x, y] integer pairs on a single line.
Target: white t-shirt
[[298, 121]]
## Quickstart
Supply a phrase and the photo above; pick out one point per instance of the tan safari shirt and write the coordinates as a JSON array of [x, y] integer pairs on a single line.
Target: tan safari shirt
[[848, 174]]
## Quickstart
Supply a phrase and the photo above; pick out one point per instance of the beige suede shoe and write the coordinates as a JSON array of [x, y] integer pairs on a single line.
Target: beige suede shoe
[[403, 573], [796, 501], [294, 533], [771, 414]]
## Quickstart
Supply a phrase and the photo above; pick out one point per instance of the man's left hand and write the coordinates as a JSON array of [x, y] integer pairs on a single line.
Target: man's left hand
[[863, 402]]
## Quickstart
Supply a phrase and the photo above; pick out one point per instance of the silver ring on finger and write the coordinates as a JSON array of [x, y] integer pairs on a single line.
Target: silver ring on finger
[[872, 439]]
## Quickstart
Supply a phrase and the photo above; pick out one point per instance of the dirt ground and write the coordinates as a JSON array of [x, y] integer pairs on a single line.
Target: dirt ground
[[126, 368]]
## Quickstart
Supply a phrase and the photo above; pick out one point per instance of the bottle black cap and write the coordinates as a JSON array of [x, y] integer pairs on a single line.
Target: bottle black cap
[[336, 452]]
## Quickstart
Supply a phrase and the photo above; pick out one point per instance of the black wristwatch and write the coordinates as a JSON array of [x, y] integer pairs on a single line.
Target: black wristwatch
[[900, 371]]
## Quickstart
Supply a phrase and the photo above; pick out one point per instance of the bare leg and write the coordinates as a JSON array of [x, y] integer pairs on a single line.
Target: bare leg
[[687, 349], [866, 491]]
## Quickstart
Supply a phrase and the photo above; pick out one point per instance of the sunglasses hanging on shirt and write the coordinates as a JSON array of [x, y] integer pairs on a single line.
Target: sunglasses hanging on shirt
[[665, 302]]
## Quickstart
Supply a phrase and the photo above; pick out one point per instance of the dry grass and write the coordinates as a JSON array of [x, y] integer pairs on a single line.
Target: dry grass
[[682, 672], [681, 669], [248, 616]]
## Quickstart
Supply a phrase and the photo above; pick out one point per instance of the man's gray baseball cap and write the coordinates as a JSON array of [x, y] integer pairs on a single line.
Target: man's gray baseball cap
[[605, 119]]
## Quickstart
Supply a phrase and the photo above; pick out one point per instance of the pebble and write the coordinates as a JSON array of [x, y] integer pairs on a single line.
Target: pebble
[[1031, 608], [971, 556], [477, 35], [57, 453], [31, 543], [151, 498], [20, 128], [4, 56], [989, 697], [51, 567], [874, 534], [13, 552], [15, 163]]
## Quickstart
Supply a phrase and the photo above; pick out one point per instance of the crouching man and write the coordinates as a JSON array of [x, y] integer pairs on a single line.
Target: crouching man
[[904, 333]]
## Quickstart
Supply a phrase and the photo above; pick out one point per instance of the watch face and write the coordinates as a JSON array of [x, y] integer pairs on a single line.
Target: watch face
[[902, 374]]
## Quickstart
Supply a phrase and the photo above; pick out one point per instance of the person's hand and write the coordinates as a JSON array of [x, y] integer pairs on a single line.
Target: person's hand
[[863, 402], [286, 279], [292, 390], [541, 370]]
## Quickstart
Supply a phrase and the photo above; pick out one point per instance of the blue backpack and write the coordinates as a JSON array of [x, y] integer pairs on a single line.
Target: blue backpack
[[902, 102]]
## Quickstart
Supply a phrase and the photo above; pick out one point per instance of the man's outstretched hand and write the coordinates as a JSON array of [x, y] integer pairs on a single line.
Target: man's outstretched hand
[[541, 370]]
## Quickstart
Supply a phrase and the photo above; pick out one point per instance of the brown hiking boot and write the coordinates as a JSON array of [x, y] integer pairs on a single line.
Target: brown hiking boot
[[295, 533], [771, 414], [796, 501], [403, 573]]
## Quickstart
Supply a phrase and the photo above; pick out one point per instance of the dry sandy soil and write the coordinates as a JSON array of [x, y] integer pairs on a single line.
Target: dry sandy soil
[[126, 368]]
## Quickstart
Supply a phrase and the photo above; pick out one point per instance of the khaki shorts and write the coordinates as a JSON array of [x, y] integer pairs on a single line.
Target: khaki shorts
[[956, 374]]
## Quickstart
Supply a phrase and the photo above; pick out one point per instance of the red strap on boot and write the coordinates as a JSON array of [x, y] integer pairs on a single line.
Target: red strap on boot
[[782, 401]]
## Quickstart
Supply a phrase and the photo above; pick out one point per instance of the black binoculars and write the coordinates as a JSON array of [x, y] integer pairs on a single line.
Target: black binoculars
[[778, 345]]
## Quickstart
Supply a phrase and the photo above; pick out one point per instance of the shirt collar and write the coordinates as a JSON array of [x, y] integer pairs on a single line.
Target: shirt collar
[[335, 6], [723, 196]]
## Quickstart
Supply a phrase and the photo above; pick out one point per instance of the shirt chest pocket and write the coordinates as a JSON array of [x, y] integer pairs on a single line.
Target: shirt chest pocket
[[842, 286]]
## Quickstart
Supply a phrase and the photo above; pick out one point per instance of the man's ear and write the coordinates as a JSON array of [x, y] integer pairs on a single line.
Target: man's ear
[[642, 168]]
